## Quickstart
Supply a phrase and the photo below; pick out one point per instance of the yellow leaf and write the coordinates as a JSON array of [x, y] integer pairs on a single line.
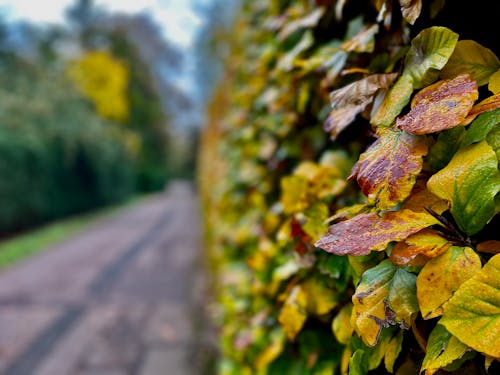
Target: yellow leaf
[[294, 194], [319, 298], [442, 276], [341, 325], [384, 296], [397, 97], [293, 313], [104, 80], [470, 182], [272, 350], [422, 198], [473, 313], [494, 83], [469, 57], [364, 41]]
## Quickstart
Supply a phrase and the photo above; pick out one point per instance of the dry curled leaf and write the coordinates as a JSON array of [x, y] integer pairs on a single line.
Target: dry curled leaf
[[308, 21], [352, 99], [411, 9], [440, 106]]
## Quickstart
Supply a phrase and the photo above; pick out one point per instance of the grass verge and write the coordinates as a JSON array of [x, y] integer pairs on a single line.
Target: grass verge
[[14, 249]]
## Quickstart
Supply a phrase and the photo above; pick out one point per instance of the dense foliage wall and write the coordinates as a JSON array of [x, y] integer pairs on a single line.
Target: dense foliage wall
[[349, 175]]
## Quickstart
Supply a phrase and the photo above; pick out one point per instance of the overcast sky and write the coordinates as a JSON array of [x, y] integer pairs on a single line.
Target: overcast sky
[[176, 17]]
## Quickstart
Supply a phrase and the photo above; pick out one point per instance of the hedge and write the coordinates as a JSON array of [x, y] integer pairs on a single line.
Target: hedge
[[349, 177], [57, 156]]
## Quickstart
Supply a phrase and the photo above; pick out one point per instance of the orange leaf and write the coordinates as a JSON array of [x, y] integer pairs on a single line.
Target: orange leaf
[[418, 248], [421, 198], [387, 171], [487, 105], [366, 232], [440, 106]]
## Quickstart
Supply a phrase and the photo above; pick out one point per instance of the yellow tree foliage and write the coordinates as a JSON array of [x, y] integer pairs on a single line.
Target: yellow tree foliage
[[103, 79]]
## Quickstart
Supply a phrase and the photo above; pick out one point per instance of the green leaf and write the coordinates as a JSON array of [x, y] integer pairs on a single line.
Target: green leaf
[[473, 313], [469, 57], [395, 100], [429, 53], [358, 365], [402, 298], [493, 139], [481, 126], [315, 220], [392, 352], [385, 296], [447, 144], [387, 171], [470, 182], [442, 276], [387, 348], [442, 350]]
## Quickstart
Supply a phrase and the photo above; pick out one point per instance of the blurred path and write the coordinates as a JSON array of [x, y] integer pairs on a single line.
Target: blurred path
[[119, 298]]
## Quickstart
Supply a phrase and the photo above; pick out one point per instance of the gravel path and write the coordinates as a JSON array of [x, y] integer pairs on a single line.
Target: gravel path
[[120, 298]]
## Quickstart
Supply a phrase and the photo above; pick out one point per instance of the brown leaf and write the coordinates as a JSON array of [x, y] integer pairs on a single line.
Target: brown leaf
[[363, 41], [487, 105], [366, 232], [387, 171], [308, 21], [352, 99], [440, 106], [411, 9], [491, 246]]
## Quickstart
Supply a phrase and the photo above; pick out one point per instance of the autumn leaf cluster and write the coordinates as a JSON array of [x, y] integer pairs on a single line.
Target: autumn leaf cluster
[[350, 183]]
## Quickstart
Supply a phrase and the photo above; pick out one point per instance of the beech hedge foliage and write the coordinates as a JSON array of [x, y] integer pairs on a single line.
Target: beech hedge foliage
[[350, 183]]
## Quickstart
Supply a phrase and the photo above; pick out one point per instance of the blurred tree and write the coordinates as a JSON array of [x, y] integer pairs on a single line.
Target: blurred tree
[[57, 156], [104, 80]]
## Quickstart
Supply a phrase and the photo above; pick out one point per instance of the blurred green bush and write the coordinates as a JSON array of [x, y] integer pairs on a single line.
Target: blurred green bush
[[57, 156]]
